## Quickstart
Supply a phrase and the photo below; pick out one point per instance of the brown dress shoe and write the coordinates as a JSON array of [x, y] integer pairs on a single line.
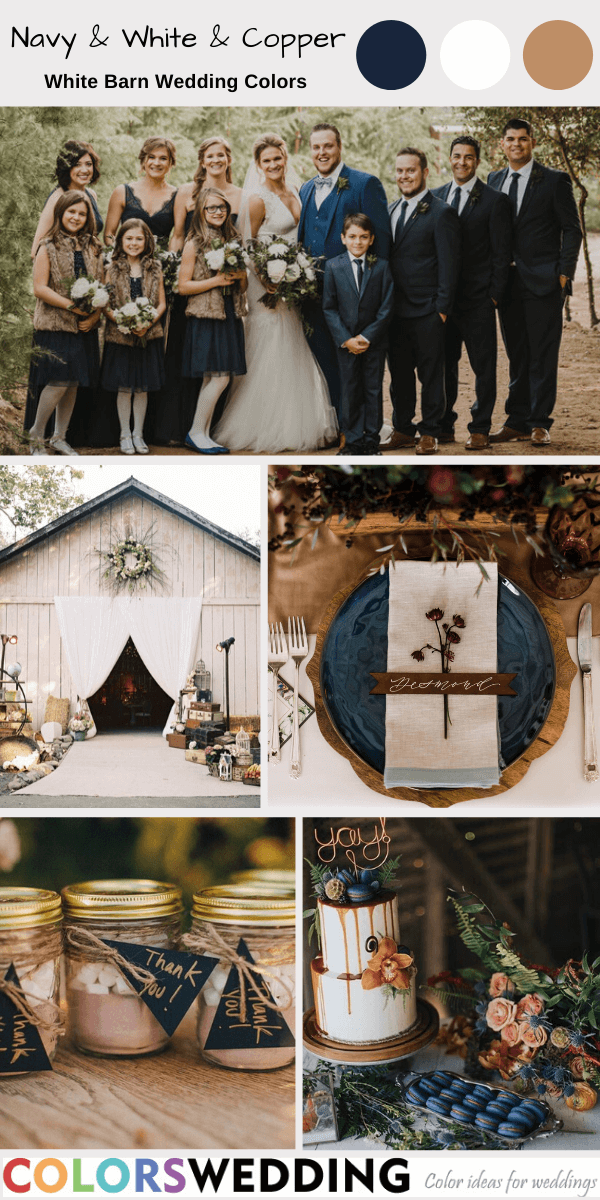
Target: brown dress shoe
[[540, 437], [506, 434], [399, 441], [477, 441], [426, 445]]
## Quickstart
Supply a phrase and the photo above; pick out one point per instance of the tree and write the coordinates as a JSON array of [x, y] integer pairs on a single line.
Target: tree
[[567, 138], [32, 496]]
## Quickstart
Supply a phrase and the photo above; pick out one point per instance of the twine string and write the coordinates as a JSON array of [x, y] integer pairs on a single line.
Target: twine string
[[211, 942], [53, 1024], [87, 946], [38, 946]]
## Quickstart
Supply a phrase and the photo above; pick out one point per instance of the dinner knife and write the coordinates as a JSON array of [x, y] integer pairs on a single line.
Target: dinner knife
[[584, 653]]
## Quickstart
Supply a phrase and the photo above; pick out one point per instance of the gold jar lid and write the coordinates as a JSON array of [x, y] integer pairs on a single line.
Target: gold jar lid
[[242, 904], [278, 877], [121, 899], [26, 908]]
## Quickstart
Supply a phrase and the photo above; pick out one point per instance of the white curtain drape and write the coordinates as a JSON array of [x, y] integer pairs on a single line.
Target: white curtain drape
[[165, 634], [94, 630]]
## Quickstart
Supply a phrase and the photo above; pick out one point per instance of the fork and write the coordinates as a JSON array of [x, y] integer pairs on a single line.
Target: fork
[[278, 656], [298, 645]]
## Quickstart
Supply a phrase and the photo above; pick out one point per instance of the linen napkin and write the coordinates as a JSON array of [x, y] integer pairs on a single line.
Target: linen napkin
[[416, 752]]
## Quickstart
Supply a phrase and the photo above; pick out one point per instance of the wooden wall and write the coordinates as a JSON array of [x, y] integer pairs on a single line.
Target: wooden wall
[[194, 563]]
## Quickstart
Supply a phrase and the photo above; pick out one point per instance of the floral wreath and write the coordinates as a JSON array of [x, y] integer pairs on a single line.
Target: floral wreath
[[117, 561]]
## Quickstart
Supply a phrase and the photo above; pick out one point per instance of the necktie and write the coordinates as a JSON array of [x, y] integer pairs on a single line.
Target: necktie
[[456, 200], [401, 219], [513, 191], [359, 273]]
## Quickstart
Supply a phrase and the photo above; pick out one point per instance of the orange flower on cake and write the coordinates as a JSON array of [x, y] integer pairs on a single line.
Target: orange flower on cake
[[387, 967]]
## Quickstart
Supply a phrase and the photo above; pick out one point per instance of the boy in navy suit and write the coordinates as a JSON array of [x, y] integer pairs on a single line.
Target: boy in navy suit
[[358, 299]]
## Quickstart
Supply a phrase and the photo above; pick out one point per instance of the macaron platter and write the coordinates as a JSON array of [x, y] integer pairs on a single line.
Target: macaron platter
[[496, 1111]]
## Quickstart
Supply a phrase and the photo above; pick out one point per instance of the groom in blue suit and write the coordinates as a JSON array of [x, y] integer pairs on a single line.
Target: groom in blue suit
[[326, 201]]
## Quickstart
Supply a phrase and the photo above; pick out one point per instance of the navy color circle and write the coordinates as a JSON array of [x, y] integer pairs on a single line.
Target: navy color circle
[[391, 54]]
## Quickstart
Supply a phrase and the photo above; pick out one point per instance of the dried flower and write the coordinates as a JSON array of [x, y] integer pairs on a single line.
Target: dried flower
[[452, 637], [418, 655], [459, 622], [435, 614], [334, 889]]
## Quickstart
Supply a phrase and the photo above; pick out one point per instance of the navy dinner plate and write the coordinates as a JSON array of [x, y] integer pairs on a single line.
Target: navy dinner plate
[[356, 644]]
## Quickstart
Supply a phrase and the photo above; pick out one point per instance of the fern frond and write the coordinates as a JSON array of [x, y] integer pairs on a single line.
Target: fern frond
[[524, 979], [454, 1000]]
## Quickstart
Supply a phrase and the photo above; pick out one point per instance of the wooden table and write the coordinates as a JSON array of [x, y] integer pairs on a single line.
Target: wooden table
[[170, 1101]]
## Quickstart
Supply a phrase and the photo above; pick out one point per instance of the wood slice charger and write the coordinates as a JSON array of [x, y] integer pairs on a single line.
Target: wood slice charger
[[444, 798]]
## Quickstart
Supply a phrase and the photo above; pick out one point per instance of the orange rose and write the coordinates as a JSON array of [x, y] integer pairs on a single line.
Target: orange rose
[[500, 1012], [530, 1004], [577, 1066], [511, 1033], [532, 1037], [387, 967], [500, 983]]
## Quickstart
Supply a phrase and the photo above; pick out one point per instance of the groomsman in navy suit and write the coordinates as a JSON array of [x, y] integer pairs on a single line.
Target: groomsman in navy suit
[[486, 231], [425, 264], [326, 200], [358, 300], [546, 242]]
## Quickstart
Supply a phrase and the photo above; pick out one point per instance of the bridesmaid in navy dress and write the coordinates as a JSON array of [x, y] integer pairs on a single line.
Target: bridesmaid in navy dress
[[77, 167], [150, 199], [214, 170]]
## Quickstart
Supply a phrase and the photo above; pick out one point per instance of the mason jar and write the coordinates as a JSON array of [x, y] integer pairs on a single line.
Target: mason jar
[[106, 1015], [31, 939], [266, 922]]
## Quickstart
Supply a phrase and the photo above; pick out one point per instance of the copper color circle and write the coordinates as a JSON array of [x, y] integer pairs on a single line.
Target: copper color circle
[[558, 54]]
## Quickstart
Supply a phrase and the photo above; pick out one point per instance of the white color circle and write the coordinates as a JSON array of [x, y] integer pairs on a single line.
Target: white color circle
[[475, 55]]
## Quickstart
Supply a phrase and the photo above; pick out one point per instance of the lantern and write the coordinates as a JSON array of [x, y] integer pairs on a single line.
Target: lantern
[[225, 766], [242, 742], [202, 681]]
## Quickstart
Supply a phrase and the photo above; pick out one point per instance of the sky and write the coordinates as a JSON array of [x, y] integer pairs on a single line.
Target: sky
[[226, 494]]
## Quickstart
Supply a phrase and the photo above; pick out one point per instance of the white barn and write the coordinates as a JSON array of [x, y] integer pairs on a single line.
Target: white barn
[[210, 589]]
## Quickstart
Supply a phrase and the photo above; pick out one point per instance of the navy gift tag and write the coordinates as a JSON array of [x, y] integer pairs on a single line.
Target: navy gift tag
[[21, 1047], [263, 1026], [179, 978]]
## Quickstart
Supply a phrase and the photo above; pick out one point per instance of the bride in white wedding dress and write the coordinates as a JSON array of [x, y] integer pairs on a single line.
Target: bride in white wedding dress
[[282, 403]]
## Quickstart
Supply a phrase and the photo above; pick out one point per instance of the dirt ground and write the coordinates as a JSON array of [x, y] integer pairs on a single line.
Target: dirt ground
[[576, 428]]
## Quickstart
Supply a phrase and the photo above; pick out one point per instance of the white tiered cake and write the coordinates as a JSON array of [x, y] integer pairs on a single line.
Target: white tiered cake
[[364, 987]]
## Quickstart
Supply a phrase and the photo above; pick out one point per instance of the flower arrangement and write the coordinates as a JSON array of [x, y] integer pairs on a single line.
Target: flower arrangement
[[440, 498], [170, 261], [131, 564], [88, 294], [537, 1026], [80, 722], [451, 638], [344, 884], [135, 315], [226, 256], [286, 267]]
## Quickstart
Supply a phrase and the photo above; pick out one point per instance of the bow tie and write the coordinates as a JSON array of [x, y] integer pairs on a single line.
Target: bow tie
[[321, 182]]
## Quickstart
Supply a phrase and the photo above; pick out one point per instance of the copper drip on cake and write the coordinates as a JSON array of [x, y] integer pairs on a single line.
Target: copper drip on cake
[[355, 911], [323, 938], [342, 915]]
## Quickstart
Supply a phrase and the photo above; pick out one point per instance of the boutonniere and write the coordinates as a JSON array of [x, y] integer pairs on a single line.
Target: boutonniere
[[536, 175], [371, 260], [343, 183], [475, 196], [423, 206]]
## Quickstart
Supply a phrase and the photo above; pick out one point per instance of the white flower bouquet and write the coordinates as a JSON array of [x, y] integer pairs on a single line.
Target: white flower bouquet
[[286, 267], [88, 294], [135, 315], [226, 257], [80, 722]]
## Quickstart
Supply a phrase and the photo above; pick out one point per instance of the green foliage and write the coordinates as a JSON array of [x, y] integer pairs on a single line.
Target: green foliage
[[32, 496], [456, 1001], [388, 871], [524, 979]]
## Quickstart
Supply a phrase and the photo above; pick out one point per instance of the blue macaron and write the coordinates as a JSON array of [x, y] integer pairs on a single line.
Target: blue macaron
[[415, 1095], [462, 1114], [535, 1108], [448, 1094], [474, 1103], [429, 1087], [508, 1129], [526, 1119], [436, 1105], [497, 1109], [444, 1078], [486, 1093], [484, 1121]]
